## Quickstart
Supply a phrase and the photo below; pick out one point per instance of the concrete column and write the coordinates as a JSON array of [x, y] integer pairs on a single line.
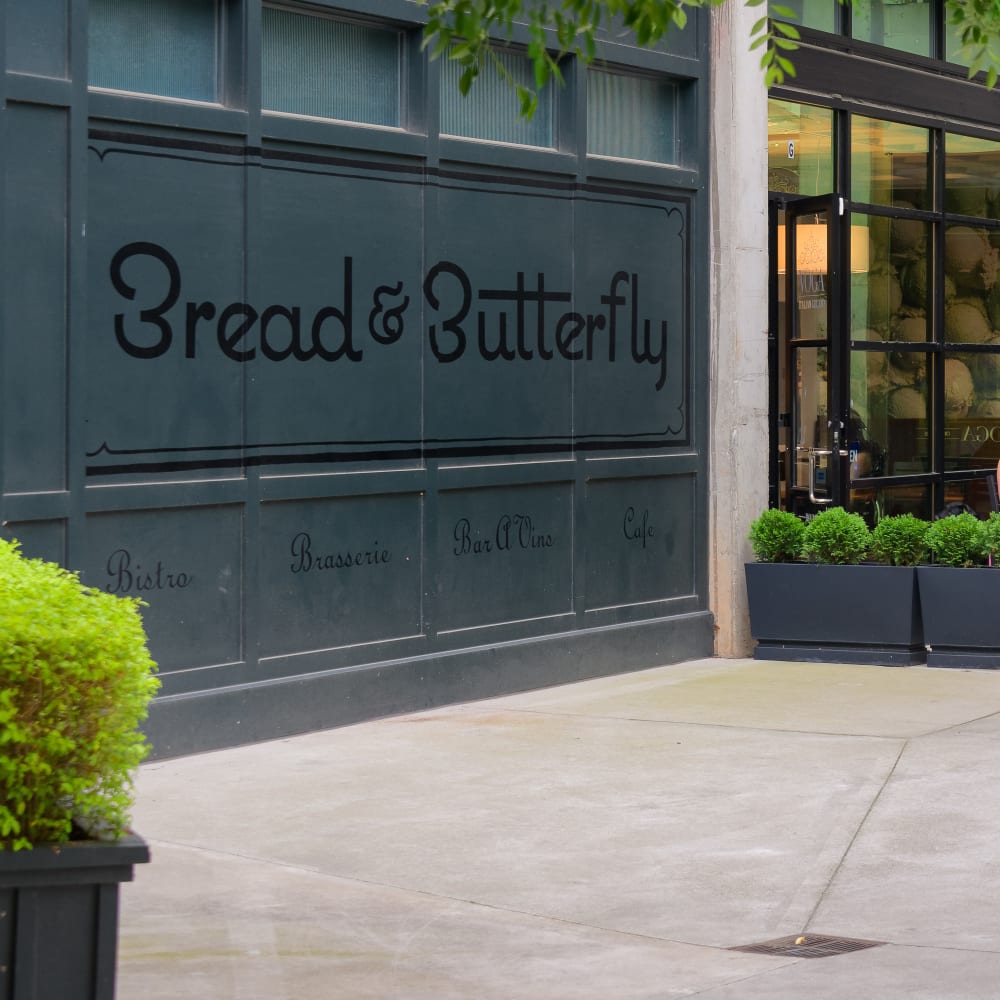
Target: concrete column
[[738, 324]]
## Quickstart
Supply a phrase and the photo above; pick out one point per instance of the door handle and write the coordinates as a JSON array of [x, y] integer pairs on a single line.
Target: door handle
[[813, 453]]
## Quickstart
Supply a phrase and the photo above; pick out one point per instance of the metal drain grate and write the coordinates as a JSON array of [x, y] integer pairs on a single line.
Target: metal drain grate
[[808, 946]]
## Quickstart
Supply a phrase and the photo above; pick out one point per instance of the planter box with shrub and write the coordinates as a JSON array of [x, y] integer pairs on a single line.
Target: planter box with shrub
[[75, 683], [832, 608], [960, 593]]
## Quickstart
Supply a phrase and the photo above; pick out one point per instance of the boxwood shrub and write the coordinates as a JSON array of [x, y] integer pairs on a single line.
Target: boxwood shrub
[[776, 536], [900, 540], [957, 540], [837, 537], [990, 530], [76, 679]]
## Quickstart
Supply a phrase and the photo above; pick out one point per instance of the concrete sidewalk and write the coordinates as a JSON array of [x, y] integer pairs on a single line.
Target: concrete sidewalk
[[603, 840]]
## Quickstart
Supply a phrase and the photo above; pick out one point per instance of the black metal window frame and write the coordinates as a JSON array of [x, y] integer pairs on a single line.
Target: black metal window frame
[[858, 78]]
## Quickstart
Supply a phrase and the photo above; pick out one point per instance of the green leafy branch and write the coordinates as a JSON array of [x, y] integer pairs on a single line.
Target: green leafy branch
[[978, 23], [777, 38], [467, 31]]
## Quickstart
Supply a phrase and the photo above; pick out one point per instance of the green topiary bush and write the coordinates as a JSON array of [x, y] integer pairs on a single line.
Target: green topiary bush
[[900, 540], [991, 538], [957, 540], [835, 536], [76, 679], [776, 536]]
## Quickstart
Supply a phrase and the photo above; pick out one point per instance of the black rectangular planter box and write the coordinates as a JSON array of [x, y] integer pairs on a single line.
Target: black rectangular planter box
[[961, 611], [817, 613], [59, 918]]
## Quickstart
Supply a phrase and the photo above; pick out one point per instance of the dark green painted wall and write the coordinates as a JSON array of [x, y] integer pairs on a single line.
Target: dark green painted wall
[[372, 419]]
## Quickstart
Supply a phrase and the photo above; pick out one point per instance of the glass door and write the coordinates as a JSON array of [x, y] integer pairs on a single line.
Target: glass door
[[817, 457]]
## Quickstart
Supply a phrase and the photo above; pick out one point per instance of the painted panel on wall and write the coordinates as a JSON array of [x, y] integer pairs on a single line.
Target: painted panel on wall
[[498, 285], [639, 541], [186, 564], [39, 539], [34, 300], [494, 346], [166, 289], [337, 338], [36, 37], [340, 572], [504, 555], [633, 271]]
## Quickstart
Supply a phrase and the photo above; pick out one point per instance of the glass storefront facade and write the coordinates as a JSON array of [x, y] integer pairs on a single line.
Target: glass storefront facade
[[919, 341]]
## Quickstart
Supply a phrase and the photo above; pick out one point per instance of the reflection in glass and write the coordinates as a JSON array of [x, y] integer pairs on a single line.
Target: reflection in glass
[[953, 47], [898, 24], [976, 493], [972, 297], [823, 15], [799, 148], [972, 176], [972, 409], [890, 301], [887, 431], [812, 291], [889, 164], [875, 503], [810, 412]]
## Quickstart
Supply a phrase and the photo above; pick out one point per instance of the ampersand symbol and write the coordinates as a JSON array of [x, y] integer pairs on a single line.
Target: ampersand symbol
[[386, 325]]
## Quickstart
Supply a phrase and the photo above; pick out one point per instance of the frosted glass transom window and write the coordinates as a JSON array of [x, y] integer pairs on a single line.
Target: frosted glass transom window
[[632, 117], [325, 67], [490, 110], [164, 47]]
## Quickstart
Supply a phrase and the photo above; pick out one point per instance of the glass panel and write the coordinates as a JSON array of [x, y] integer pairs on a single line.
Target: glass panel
[[972, 176], [898, 24], [953, 47], [327, 68], [978, 494], [865, 452], [783, 429], [799, 148], [490, 110], [823, 15], [889, 288], [971, 312], [164, 47], [634, 117], [868, 389], [812, 298], [887, 431], [874, 503], [890, 164], [898, 421], [810, 412], [972, 409]]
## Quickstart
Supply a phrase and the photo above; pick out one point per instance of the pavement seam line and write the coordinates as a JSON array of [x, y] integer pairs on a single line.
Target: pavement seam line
[[861, 825], [305, 869], [724, 725], [709, 990], [958, 725]]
